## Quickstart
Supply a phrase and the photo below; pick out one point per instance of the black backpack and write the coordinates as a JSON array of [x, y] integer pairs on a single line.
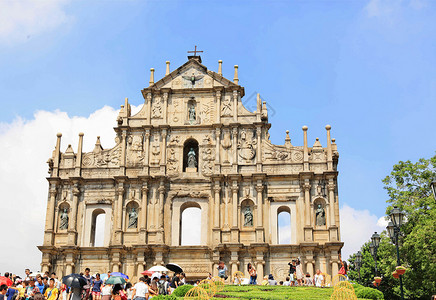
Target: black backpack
[[161, 287]]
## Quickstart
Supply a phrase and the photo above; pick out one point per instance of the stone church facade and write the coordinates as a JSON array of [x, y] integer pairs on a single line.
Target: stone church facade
[[193, 144]]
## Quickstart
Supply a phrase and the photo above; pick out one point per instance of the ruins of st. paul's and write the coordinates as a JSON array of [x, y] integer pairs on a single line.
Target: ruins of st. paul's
[[193, 144]]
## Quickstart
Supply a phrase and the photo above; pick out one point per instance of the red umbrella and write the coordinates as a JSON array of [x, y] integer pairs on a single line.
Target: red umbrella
[[5, 280], [148, 273]]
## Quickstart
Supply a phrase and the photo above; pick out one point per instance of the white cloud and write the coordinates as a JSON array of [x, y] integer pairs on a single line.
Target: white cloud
[[25, 147], [357, 226], [21, 19], [387, 8]]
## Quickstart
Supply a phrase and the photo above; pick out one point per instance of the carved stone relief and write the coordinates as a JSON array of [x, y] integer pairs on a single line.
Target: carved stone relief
[[104, 158], [135, 154], [155, 151], [156, 109], [246, 145], [226, 109], [173, 165], [207, 157], [226, 143]]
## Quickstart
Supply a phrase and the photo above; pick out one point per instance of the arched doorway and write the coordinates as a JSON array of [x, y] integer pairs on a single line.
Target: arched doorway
[[189, 146], [190, 225], [284, 225], [98, 228]]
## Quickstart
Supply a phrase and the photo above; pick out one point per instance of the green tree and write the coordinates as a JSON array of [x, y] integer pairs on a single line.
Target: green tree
[[408, 187]]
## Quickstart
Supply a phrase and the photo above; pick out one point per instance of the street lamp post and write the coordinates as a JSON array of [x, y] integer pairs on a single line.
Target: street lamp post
[[394, 227], [358, 263], [373, 247]]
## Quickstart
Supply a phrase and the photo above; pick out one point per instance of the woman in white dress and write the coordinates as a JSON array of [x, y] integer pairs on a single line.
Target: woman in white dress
[[299, 272], [318, 278]]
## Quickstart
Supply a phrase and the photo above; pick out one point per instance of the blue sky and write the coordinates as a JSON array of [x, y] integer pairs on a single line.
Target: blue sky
[[365, 67]]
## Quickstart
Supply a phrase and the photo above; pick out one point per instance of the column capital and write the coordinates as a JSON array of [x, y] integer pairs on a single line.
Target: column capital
[[259, 188], [119, 190], [331, 187], [52, 192], [76, 191], [234, 188], [217, 188], [306, 186]]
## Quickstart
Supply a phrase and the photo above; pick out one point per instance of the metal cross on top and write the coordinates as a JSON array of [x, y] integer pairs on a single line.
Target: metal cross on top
[[195, 51]]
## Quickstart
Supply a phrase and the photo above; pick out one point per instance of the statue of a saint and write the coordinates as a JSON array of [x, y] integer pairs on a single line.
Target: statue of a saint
[[192, 162], [320, 215], [64, 219], [133, 218], [192, 114], [248, 217]]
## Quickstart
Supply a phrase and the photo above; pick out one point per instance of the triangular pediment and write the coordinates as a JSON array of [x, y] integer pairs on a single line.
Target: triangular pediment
[[192, 75]]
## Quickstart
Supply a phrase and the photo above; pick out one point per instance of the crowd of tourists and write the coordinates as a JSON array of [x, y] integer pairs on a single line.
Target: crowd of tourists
[[46, 286]]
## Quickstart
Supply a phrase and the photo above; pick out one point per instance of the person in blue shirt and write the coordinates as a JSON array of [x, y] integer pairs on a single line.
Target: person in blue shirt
[[39, 283]]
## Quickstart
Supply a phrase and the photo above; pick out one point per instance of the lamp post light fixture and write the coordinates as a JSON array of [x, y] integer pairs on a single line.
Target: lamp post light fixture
[[373, 247], [394, 227], [358, 262]]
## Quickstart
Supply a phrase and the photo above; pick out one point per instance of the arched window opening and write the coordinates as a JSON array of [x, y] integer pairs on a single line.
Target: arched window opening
[[190, 156], [190, 226], [97, 228], [284, 225]]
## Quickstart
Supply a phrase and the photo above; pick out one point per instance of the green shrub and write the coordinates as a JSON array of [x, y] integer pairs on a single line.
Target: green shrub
[[182, 290], [368, 293]]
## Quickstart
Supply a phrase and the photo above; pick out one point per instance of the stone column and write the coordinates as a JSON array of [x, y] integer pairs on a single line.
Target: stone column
[[218, 106], [329, 149], [77, 171], [217, 149], [259, 271], [51, 208], [259, 149], [235, 147], [147, 148], [307, 211], [160, 236], [165, 106], [119, 194], [163, 161], [259, 223], [123, 153], [68, 269], [234, 261], [72, 226], [335, 268], [149, 98], [226, 208], [331, 189], [235, 189], [143, 217], [217, 190], [235, 105]]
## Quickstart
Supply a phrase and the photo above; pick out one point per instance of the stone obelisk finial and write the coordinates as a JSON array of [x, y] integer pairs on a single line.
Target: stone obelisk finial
[[167, 72], [235, 78], [151, 76], [220, 67], [305, 150]]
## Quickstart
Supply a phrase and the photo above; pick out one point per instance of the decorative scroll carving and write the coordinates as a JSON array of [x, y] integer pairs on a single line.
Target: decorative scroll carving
[[197, 268], [104, 158]]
